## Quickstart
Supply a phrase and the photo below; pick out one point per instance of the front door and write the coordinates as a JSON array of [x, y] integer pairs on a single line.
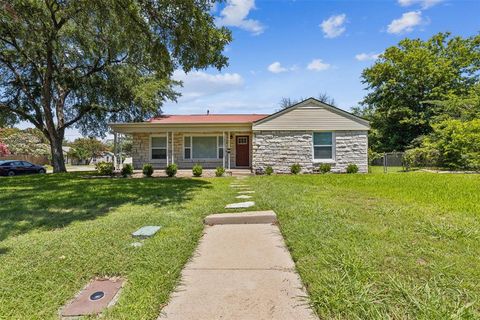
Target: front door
[[242, 151]]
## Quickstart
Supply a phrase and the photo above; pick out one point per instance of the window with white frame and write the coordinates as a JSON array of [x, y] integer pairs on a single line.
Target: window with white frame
[[323, 145], [203, 147], [187, 147], [158, 147]]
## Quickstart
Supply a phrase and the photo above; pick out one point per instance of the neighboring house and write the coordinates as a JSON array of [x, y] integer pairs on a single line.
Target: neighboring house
[[308, 133], [106, 156]]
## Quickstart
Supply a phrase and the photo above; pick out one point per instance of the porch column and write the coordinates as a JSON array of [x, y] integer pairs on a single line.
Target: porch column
[[120, 150], [173, 148], [115, 151], [229, 150], [224, 149], [168, 134]]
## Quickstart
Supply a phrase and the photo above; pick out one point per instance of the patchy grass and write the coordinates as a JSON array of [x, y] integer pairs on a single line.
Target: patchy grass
[[394, 246], [381, 246], [59, 231]]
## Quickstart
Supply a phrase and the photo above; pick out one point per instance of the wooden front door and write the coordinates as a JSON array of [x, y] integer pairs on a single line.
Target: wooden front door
[[242, 151]]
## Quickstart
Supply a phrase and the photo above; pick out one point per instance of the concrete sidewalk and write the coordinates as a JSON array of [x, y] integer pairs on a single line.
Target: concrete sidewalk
[[239, 271]]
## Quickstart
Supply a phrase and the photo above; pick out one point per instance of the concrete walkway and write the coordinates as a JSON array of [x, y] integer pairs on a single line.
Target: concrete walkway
[[240, 271]]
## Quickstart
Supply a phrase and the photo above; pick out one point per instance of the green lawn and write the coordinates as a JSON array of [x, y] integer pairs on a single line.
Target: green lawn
[[397, 246], [382, 246], [59, 231], [379, 169]]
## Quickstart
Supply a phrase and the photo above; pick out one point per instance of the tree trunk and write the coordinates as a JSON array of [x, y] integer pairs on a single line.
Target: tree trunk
[[58, 161]]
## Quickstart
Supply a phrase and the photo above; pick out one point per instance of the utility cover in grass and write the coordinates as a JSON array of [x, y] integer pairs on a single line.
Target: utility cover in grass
[[146, 232], [94, 298], [240, 205]]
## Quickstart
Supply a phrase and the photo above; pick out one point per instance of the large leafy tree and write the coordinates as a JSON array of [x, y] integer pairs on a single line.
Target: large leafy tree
[[409, 79], [86, 148], [84, 63], [455, 140]]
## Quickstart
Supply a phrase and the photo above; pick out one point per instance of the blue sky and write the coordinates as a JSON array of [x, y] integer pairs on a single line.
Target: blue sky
[[301, 48]]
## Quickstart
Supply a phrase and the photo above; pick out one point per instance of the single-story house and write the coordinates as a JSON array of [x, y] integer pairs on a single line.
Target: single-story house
[[105, 156], [308, 133]]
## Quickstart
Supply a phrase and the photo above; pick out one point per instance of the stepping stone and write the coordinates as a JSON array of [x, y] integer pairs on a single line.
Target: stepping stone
[[243, 196], [237, 205], [252, 217], [146, 232], [246, 191], [136, 244], [238, 186]]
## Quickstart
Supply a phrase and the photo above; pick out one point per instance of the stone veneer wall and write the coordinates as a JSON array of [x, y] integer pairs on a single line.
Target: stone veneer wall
[[140, 151], [281, 149]]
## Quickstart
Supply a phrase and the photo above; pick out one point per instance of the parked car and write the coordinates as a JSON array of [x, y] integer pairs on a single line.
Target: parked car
[[14, 167]]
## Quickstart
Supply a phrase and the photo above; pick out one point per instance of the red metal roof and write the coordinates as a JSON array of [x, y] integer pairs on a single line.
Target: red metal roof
[[208, 118]]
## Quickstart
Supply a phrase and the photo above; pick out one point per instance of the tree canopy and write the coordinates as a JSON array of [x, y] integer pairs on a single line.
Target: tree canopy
[[416, 84], [288, 102], [454, 142], [84, 63], [86, 148], [24, 142]]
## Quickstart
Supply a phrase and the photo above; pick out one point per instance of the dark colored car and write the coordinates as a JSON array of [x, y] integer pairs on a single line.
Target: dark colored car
[[14, 167]]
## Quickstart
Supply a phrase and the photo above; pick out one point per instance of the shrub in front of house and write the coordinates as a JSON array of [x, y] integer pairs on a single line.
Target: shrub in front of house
[[352, 168], [197, 170], [171, 170], [268, 170], [127, 170], [105, 168], [219, 171], [147, 170], [325, 167], [259, 171], [295, 168]]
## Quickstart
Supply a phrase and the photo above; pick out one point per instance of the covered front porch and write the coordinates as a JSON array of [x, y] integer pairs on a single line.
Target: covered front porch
[[210, 149], [211, 146]]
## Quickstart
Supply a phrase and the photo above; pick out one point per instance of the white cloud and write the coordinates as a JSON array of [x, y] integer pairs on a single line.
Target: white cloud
[[406, 22], [367, 56], [276, 67], [198, 83], [318, 65], [334, 26], [235, 15], [425, 4]]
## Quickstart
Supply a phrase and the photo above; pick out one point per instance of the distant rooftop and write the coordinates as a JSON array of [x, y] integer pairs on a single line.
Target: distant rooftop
[[208, 118]]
